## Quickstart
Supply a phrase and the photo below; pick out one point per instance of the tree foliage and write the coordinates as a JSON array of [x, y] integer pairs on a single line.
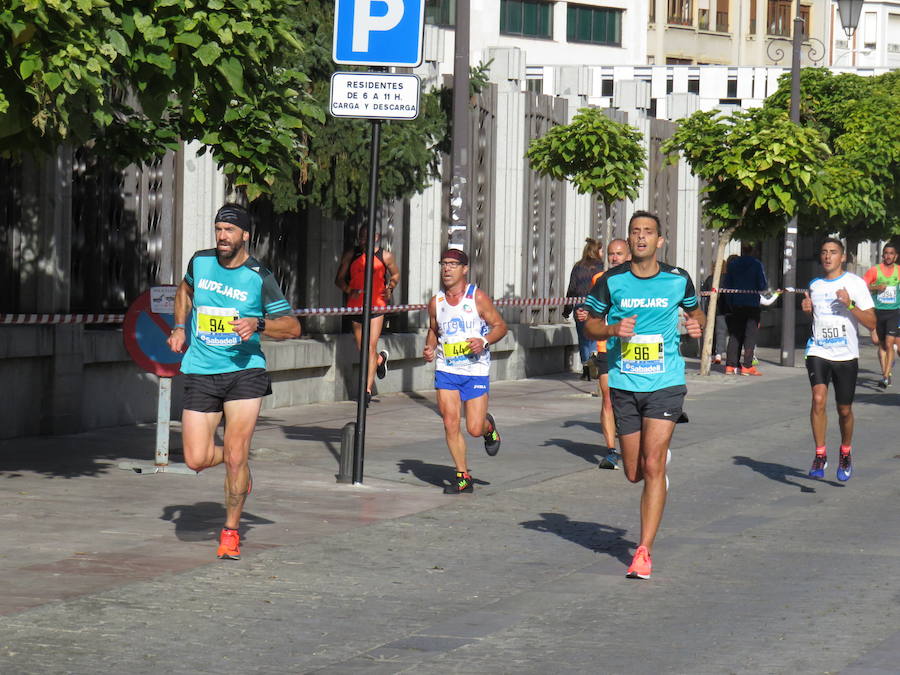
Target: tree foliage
[[132, 77], [338, 180], [758, 168], [757, 165], [858, 192], [596, 154]]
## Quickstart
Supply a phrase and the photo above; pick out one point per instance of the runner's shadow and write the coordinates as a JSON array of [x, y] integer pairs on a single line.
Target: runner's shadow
[[203, 521], [589, 452], [593, 536], [781, 473], [881, 398], [330, 438], [423, 401], [438, 475], [590, 426]]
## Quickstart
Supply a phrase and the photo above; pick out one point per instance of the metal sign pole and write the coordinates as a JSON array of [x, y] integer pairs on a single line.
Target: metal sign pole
[[789, 264], [163, 430], [458, 235], [162, 421], [359, 439]]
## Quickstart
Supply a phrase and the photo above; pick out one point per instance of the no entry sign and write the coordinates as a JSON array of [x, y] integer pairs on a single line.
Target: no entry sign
[[145, 333]]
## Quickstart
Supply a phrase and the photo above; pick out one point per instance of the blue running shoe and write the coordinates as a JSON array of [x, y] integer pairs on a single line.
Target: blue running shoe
[[845, 468], [817, 470], [611, 461]]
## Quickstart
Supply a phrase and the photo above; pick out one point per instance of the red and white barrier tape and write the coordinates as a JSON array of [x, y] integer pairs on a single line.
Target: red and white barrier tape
[[50, 319], [47, 319]]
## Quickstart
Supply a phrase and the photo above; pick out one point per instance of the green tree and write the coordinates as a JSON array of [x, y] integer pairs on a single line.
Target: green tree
[[338, 178], [132, 77], [758, 167], [596, 154], [858, 191]]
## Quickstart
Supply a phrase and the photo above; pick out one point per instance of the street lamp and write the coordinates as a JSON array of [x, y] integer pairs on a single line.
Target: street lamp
[[849, 11]]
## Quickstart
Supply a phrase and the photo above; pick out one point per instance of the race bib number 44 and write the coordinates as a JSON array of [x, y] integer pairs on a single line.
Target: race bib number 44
[[643, 355], [214, 326], [457, 352]]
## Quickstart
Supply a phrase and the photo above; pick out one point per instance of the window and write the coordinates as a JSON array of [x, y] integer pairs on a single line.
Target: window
[[440, 12], [732, 87], [531, 18], [534, 85], [597, 25], [780, 18], [681, 13], [722, 16], [752, 28], [870, 31]]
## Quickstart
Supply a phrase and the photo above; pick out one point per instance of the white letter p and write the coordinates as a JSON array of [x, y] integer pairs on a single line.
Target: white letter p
[[364, 23]]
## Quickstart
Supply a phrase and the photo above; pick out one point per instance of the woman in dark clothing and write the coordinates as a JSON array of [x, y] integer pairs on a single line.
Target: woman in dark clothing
[[580, 285]]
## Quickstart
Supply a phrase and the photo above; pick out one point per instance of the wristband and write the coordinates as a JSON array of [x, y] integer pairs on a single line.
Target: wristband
[[486, 343], [178, 325], [260, 325]]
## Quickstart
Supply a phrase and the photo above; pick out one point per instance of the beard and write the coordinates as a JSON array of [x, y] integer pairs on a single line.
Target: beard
[[229, 254]]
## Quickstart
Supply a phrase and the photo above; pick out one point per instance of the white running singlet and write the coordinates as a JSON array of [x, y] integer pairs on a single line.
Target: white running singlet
[[835, 329], [457, 323]]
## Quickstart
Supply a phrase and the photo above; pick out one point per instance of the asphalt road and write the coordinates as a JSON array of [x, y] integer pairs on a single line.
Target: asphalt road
[[757, 569]]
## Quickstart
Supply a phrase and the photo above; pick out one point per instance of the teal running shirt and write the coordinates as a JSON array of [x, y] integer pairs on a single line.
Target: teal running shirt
[[222, 294], [650, 360]]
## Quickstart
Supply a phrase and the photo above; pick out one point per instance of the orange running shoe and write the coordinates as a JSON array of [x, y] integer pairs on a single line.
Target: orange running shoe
[[750, 371], [229, 545], [640, 565], [730, 370]]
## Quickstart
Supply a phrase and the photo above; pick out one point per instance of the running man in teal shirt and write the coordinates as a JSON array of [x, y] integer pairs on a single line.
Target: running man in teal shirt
[[635, 307], [232, 299]]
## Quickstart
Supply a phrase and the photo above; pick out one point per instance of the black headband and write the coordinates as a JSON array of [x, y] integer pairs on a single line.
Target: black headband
[[234, 214]]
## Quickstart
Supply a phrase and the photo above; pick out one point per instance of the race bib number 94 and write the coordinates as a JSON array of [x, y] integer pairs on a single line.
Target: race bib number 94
[[214, 326], [643, 355]]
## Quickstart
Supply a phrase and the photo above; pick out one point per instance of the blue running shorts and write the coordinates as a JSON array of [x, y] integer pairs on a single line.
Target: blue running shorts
[[468, 386]]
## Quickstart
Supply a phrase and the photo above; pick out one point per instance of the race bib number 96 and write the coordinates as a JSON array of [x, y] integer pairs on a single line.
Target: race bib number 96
[[214, 326], [643, 355]]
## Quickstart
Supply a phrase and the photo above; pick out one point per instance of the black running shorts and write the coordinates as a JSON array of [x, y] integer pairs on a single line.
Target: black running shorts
[[602, 362], [843, 373], [209, 393], [886, 322], [631, 407]]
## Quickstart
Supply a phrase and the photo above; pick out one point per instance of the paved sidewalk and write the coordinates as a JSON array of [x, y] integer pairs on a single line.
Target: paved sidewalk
[[758, 569]]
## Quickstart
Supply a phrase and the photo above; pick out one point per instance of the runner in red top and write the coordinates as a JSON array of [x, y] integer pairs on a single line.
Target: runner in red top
[[351, 279]]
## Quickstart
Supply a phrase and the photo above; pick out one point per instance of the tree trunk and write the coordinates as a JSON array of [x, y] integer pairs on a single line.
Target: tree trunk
[[710, 330], [607, 224]]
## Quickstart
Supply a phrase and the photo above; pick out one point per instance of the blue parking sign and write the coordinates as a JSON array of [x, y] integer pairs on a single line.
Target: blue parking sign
[[379, 32]]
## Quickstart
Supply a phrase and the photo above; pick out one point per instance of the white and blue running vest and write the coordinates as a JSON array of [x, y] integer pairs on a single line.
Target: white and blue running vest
[[455, 325]]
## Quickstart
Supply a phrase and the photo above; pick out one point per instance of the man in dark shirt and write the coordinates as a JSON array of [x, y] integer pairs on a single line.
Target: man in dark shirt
[[744, 273]]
